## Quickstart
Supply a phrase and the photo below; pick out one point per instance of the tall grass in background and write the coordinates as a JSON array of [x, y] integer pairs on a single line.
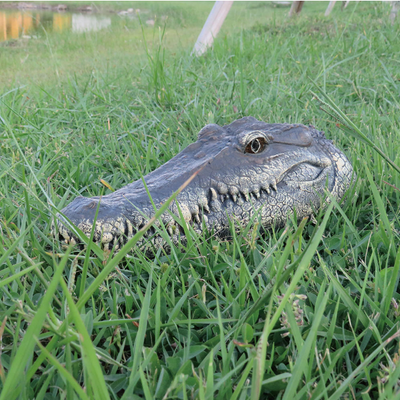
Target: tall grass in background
[[306, 311]]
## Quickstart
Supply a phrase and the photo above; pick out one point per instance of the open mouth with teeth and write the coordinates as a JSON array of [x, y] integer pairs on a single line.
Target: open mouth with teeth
[[301, 175]]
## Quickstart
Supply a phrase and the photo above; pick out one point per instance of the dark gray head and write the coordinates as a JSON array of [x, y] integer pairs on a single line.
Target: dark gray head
[[246, 167]]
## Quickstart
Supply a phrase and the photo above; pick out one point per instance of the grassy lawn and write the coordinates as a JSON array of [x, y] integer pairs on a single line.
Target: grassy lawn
[[309, 311], [56, 56]]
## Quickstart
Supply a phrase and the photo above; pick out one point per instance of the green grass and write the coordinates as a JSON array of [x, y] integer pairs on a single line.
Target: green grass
[[309, 311], [55, 56]]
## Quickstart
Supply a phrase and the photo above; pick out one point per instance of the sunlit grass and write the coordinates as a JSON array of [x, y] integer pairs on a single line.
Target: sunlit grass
[[306, 311]]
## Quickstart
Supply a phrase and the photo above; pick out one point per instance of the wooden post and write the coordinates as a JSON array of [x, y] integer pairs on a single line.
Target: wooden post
[[345, 4], [330, 8], [296, 8], [394, 11], [212, 26]]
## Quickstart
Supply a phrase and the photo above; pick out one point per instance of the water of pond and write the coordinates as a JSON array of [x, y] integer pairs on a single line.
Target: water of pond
[[15, 24]]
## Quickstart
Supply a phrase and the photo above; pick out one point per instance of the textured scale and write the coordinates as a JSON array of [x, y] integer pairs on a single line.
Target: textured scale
[[292, 171]]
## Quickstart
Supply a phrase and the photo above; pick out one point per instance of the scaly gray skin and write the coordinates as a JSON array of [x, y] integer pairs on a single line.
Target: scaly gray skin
[[243, 168]]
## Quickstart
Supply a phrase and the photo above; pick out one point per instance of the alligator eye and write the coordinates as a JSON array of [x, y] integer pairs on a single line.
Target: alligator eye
[[256, 146]]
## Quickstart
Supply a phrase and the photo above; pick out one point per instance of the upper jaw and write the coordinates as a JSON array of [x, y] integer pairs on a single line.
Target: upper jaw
[[270, 172]]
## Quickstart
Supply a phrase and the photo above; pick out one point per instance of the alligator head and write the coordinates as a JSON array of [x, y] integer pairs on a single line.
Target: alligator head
[[243, 168]]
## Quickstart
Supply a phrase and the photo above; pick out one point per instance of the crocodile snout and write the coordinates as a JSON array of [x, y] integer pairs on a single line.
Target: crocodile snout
[[110, 229]]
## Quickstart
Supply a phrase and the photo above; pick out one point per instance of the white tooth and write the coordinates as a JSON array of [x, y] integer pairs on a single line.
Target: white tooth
[[274, 186], [170, 231], [196, 217], [266, 188], [138, 220], [222, 188], [195, 210], [257, 193], [222, 198], [246, 195], [233, 190], [214, 195], [130, 228], [206, 208], [234, 197], [120, 225], [107, 237], [187, 216]]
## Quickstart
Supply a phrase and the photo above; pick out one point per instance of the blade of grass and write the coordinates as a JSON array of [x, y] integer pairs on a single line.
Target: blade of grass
[[91, 363], [144, 315], [347, 299], [210, 377], [350, 380], [391, 289], [301, 364], [146, 389], [271, 321], [381, 208], [87, 255], [352, 128], [244, 375], [17, 275], [66, 375], [12, 384], [112, 263]]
